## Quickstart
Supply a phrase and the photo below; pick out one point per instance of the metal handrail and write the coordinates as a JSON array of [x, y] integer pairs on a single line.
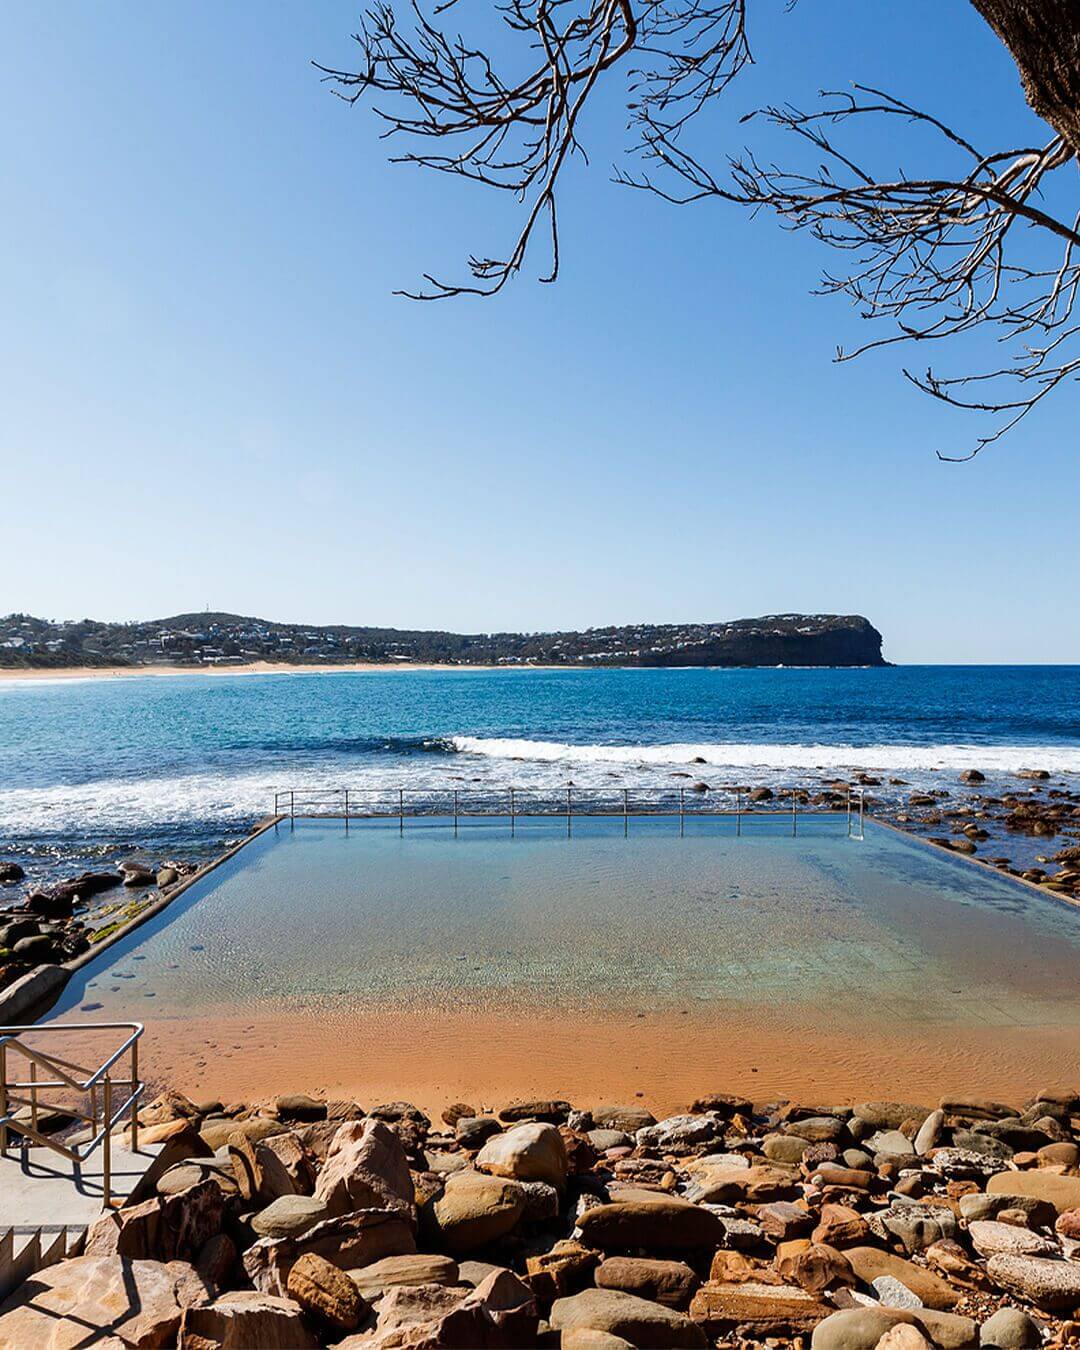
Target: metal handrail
[[559, 801], [13, 1039]]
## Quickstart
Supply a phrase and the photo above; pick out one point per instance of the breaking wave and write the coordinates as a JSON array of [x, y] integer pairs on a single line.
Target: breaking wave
[[787, 757]]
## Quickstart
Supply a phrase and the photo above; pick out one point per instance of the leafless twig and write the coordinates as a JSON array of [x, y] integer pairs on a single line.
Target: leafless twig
[[970, 246]]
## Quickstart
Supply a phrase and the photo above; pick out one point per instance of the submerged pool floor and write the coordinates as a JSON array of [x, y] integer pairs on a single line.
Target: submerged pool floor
[[315, 918]]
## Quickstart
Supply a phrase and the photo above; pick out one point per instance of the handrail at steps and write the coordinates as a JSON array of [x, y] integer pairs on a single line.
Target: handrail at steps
[[13, 1040]]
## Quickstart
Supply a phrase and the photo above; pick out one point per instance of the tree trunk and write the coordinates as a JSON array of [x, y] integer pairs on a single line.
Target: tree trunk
[[1043, 38]]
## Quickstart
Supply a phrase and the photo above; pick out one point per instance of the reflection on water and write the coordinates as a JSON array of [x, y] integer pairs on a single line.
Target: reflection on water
[[323, 919]]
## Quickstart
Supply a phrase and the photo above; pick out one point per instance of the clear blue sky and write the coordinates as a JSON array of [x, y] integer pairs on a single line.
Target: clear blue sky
[[208, 394]]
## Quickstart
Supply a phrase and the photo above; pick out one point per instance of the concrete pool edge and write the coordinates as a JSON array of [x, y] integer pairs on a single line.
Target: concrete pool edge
[[164, 901], [21, 999], [1036, 886]]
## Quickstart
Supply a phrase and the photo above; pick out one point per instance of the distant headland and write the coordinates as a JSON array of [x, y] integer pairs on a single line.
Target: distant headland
[[215, 640]]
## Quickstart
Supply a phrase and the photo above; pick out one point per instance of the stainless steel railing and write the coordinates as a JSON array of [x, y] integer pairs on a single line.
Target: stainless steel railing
[[99, 1086], [403, 803]]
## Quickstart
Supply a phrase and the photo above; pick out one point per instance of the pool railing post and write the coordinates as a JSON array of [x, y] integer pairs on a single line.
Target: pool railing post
[[3, 1097], [134, 1098]]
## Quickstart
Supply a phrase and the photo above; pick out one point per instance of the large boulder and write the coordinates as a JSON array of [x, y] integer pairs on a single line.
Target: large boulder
[[555, 1112], [989, 1238], [475, 1131], [418, 1268], [300, 1107], [669, 1282], [30, 992], [286, 1153], [348, 1241], [854, 1329], [629, 1119], [289, 1216], [165, 1228], [650, 1219], [365, 1168], [415, 1306], [729, 1184], [531, 1152], [767, 1309], [327, 1292], [889, 1115], [476, 1209], [864, 1328], [246, 1318], [978, 1205], [649, 1326], [870, 1263], [499, 1314], [136, 1303], [566, 1269], [1010, 1329], [1063, 1192], [217, 1133], [409, 1121], [1051, 1285], [681, 1134], [817, 1129]]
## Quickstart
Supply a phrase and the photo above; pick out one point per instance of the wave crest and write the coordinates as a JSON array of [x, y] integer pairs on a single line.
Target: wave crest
[[750, 755]]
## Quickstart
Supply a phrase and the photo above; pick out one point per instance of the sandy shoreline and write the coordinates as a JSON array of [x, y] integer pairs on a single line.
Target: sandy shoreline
[[14, 674], [663, 1062]]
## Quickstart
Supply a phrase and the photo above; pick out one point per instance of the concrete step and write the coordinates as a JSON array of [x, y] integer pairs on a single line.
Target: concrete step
[[47, 1203], [24, 1251]]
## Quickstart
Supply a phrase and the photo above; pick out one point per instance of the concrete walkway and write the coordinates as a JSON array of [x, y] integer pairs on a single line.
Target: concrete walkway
[[38, 1186], [48, 1202]]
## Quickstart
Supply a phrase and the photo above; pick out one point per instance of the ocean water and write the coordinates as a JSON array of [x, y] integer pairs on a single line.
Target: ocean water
[[178, 764]]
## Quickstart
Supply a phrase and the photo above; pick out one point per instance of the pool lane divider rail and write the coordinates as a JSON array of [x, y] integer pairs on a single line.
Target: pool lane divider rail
[[453, 803]]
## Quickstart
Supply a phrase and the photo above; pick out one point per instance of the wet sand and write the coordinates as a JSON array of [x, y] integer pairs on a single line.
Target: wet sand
[[662, 1061]]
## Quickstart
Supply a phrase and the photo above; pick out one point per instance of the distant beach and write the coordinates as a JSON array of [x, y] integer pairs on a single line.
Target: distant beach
[[248, 668]]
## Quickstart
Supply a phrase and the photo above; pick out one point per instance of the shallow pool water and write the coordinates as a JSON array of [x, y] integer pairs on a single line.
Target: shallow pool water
[[488, 917]]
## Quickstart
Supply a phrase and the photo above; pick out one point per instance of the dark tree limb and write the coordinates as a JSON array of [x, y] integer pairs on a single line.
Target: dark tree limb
[[1043, 38], [974, 246]]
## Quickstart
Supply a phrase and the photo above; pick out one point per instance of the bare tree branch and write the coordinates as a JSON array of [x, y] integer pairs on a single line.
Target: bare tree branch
[[516, 132], [971, 247]]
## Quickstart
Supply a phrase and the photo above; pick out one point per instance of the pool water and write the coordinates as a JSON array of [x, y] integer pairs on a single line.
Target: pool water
[[489, 917]]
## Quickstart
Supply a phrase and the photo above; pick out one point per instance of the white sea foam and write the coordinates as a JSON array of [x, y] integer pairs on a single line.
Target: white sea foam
[[989, 758], [226, 799]]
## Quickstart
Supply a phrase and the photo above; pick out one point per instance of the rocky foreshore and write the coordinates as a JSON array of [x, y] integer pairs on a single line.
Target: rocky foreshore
[[314, 1223], [1032, 833], [54, 924]]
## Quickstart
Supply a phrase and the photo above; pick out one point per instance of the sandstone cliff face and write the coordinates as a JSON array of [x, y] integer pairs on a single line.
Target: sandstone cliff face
[[783, 640]]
